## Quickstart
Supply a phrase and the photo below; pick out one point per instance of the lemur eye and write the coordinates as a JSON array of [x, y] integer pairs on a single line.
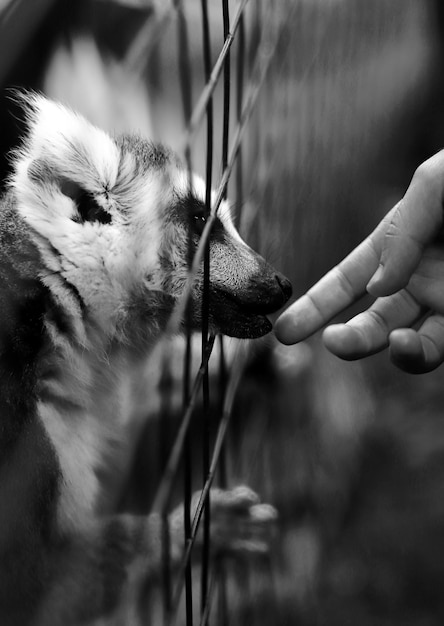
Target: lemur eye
[[199, 221], [196, 214]]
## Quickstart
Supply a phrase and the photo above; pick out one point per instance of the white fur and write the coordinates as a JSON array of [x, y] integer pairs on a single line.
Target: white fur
[[104, 261], [75, 147], [108, 397], [79, 452]]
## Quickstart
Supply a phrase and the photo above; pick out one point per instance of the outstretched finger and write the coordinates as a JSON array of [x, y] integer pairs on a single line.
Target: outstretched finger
[[368, 332], [419, 351], [415, 223], [342, 286]]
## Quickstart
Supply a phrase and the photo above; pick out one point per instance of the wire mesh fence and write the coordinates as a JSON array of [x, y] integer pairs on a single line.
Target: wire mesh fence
[[251, 36]]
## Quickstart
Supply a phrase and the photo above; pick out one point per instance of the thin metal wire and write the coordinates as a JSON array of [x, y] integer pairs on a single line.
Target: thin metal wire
[[223, 480], [165, 388], [7, 11], [239, 100], [205, 615], [227, 89], [222, 580], [206, 42], [186, 90], [162, 498], [239, 364], [148, 37], [187, 488], [207, 92]]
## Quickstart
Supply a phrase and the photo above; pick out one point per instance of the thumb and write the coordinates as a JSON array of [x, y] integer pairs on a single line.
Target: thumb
[[401, 253], [413, 224]]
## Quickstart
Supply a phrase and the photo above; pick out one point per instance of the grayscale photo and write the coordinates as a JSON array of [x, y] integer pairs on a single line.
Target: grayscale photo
[[221, 312]]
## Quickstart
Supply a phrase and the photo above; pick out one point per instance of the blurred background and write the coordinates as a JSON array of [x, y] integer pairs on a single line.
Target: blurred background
[[351, 454]]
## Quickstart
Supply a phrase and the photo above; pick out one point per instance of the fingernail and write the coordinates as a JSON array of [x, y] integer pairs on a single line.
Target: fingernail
[[374, 280]]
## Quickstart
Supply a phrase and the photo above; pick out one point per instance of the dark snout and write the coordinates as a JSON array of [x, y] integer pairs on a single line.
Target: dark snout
[[252, 289], [285, 285], [268, 291]]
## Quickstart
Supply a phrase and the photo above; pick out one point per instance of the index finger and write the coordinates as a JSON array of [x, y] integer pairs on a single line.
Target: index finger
[[342, 286]]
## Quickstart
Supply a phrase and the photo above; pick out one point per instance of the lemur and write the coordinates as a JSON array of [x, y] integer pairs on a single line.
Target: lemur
[[94, 234]]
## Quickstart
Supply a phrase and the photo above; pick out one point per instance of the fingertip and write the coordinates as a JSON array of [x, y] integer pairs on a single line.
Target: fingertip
[[284, 330], [330, 336], [344, 342], [406, 351], [295, 324], [421, 351], [405, 340]]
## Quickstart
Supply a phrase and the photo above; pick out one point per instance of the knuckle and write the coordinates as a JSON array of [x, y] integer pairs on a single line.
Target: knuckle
[[345, 283], [263, 513], [399, 234], [244, 495], [424, 172], [429, 171], [378, 321]]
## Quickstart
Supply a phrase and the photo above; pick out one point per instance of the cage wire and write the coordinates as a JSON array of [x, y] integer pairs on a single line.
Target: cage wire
[[252, 32]]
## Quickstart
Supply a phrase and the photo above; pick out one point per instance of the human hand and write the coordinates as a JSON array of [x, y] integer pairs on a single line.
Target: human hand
[[402, 264]]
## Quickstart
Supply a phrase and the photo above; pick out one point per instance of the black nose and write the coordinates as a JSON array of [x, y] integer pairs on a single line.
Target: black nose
[[285, 286]]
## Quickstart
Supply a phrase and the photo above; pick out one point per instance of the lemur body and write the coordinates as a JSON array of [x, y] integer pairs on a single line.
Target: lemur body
[[93, 236]]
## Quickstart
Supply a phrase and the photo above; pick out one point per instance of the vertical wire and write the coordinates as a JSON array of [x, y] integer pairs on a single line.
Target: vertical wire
[[186, 90], [257, 144], [165, 387], [239, 101], [222, 574], [225, 139], [227, 90], [184, 62], [206, 42]]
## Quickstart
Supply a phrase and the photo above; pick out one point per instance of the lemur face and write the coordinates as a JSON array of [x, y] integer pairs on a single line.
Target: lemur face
[[243, 288], [112, 217]]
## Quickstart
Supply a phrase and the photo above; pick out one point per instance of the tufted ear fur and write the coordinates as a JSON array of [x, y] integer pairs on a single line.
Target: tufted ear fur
[[69, 144], [65, 169]]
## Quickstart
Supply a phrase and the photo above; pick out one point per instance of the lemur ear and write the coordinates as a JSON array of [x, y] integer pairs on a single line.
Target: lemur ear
[[88, 210], [68, 146], [66, 167]]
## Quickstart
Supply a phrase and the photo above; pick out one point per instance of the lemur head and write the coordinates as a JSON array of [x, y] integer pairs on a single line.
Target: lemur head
[[111, 218]]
